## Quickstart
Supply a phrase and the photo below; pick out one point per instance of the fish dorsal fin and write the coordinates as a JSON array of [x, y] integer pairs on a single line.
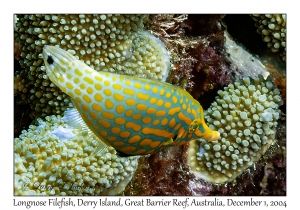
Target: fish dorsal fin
[[74, 120]]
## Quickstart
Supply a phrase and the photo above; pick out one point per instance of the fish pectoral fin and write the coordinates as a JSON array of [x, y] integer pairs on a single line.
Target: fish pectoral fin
[[74, 119]]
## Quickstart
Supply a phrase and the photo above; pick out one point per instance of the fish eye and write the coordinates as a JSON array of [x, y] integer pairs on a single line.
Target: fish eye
[[50, 60], [194, 126]]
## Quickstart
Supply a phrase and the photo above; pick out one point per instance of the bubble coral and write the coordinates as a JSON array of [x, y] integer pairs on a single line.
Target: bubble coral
[[245, 114], [273, 29], [164, 173], [114, 43], [53, 159]]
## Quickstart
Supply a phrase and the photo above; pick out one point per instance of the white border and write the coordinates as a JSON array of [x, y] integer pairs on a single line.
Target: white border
[[152, 6]]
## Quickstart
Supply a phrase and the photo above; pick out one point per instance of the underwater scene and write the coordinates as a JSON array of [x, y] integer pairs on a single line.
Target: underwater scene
[[150, 104]]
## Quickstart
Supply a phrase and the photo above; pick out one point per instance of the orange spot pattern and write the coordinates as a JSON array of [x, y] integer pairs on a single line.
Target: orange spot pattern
[[133, 126]]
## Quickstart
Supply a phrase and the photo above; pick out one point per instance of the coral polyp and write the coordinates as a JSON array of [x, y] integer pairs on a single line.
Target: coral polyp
[[272, 27]]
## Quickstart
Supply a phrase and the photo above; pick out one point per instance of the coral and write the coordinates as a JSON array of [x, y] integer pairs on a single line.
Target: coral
[[196, 46], [17, 51], [164, 173], [18, 86], [243, 31], [278, 77], [21, 112], [258, 179], [53, 159], [245, 114], [114, 43], [255, 180], [203, 24], [245, 64], [213, 69], [273, 30], [242, 63], [274, 179]]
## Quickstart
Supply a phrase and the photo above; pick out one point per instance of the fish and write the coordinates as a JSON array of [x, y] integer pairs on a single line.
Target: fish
[[136, 116]]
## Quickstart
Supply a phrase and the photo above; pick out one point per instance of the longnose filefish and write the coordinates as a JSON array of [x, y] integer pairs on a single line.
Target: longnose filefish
[[134, 115]]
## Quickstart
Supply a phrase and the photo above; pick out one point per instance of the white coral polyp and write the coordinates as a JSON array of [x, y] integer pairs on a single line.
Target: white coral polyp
[[267, 116]]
